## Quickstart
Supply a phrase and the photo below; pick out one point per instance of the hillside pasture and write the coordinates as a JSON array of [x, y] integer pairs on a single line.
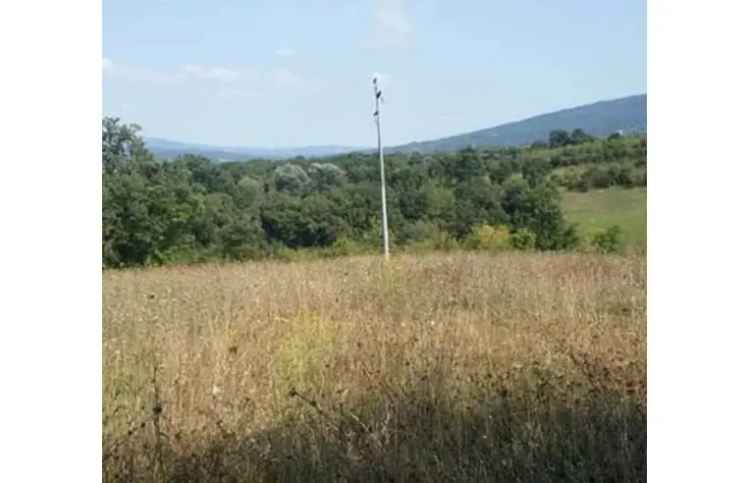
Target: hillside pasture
[[596, 210]]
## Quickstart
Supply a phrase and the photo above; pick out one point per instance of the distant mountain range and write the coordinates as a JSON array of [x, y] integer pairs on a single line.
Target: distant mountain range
[[166, 149], [627, 114]]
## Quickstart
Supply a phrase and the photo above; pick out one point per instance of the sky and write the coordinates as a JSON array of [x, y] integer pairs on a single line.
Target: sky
[[281, 73]]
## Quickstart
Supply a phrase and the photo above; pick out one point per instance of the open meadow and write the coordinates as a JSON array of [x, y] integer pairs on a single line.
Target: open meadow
[[597, 210], [514, 366]]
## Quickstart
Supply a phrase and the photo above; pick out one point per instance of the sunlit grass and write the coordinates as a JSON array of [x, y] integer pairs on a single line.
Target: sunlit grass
[[596, 210], [444, 367]]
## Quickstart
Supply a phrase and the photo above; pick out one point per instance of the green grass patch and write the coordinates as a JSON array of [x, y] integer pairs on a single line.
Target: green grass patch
[[597, 210]]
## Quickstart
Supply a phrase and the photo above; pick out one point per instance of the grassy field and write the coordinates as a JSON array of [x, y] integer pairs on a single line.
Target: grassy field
[[597, 210], [443, 367]]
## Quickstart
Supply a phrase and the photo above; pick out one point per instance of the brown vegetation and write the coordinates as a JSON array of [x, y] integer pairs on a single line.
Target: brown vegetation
[[445, 367]]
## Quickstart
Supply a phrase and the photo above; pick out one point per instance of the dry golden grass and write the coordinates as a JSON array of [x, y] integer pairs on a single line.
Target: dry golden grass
[[460, 367]]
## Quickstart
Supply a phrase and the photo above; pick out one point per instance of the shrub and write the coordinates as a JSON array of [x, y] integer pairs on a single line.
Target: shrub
[[608, 241], [345, 247], [523, 239], [572, 180], [486, 237], [620, 175], [418, 231], [279, 251], [535, 170], [568, 237], [444, 241], [599, 178], [581, 184]]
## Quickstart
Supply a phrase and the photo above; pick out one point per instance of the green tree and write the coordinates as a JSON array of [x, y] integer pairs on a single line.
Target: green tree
[[501, 170], [458, 167], [202, 171], [578, 136], [242, 237], [301, 223], [355, 205], [249, 193], [326, 176], [538, 209], [468, 165], [535, 170], [121, 145], [129, 234], [291, 178], [439, 203], [406, 183], [558, 137], [478, 202]]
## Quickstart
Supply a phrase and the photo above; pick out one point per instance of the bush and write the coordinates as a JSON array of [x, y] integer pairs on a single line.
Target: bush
[[486, 237], [581, 184], [535, 170], [279, 251], [444, 241], [418, 232], [568, 238], [621, 175], [523, 239], [609, 241], [345, 247], [599, 178]]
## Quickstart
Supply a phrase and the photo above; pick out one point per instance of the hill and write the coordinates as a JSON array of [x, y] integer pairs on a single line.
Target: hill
[[598, 119]]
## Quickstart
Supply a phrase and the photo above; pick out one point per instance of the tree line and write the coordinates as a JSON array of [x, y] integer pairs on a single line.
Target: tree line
[[192, 209]]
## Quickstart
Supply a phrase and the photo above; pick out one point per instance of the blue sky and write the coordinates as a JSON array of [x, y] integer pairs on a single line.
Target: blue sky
[[283, 73]]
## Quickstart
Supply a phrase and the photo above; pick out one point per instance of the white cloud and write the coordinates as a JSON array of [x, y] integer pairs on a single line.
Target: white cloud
[[141, 74], [211, 73], [244, 82], [392, 28], [285, 52]]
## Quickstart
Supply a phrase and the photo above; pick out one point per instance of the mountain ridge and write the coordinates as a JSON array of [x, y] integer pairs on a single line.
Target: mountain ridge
[[599, 119]]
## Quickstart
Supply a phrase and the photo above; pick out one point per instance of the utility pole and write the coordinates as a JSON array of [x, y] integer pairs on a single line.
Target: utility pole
[[378, 92]]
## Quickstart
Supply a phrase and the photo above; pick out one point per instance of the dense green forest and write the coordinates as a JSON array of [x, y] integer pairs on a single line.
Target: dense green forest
[[192, 209]]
